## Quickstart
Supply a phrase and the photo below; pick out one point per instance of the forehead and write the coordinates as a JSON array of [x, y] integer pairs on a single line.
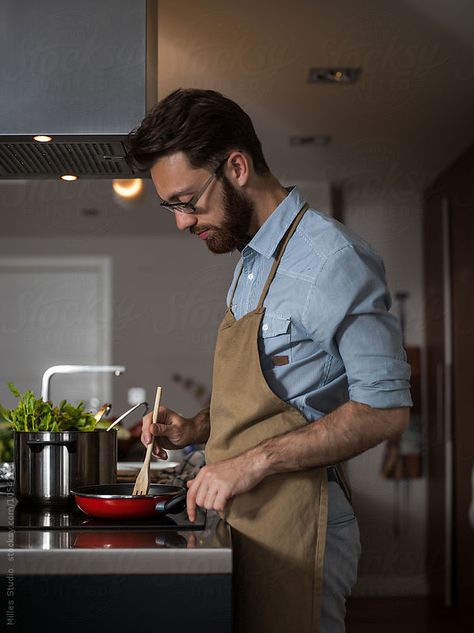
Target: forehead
[[173, 174]]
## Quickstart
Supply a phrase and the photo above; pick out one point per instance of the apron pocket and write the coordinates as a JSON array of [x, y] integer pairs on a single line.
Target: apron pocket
[[274, 341]]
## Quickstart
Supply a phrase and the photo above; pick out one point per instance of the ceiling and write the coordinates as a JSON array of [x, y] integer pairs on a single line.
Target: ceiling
[[408, 116]]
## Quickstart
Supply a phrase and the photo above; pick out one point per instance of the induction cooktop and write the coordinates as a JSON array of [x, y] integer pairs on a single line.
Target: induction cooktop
[[20, 516]]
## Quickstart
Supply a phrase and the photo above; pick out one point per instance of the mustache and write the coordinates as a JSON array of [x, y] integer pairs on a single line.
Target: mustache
[[199, 229]]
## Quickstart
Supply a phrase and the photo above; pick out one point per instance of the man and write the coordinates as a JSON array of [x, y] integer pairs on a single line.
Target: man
[[309, 368]]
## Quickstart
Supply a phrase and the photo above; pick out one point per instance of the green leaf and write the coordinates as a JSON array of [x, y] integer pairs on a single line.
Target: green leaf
[[14, 390], [33, 414], [5, 414]]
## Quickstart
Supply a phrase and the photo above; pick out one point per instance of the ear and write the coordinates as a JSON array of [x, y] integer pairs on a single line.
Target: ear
[[238, 168]]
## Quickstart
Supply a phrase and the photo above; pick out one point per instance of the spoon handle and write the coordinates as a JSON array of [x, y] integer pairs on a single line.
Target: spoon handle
[[142, 482]]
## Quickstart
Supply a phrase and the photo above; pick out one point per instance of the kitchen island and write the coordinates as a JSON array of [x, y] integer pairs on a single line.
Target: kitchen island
[[74, 576]]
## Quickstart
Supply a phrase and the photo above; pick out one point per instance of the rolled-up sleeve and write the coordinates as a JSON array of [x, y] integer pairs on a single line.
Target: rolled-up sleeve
[[347, 314]]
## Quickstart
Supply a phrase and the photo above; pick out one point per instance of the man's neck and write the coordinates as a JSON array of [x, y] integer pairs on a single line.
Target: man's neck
[[266, 194]]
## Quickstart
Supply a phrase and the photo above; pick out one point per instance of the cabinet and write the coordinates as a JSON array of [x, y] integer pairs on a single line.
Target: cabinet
[[448, 233]]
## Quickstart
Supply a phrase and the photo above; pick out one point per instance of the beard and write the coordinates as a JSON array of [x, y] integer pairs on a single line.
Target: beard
[[234, 230]]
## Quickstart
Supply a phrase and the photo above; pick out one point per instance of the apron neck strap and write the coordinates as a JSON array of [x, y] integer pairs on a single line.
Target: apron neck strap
[[236, 284], [280, 251]]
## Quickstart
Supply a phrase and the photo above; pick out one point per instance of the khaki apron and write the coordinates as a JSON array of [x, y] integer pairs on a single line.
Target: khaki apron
[[279, 527]]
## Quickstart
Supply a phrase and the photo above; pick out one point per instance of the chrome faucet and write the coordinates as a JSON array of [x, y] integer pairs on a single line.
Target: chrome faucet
[[75, 369]]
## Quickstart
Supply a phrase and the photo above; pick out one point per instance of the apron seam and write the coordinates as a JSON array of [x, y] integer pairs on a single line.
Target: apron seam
[[320, 547]]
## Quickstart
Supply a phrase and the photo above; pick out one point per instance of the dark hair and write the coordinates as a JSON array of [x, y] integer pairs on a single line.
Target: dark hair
[[203, 124]]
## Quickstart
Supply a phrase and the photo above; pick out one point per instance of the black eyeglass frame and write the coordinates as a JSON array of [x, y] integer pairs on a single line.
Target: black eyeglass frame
[[190, 206]]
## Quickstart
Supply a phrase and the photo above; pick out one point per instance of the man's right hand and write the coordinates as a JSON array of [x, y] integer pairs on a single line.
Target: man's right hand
[[171, 430]]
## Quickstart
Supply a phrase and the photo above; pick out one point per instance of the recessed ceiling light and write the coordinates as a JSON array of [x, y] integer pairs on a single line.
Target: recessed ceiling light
[[128, 188], [68, 177], [313, 140], [333, 75], [42, 138]]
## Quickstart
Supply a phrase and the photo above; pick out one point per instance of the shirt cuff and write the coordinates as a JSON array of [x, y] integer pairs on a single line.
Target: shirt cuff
[[389, 399], [379, 381]]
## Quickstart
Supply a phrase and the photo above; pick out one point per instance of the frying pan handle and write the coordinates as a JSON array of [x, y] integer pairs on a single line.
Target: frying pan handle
[[173, 505]]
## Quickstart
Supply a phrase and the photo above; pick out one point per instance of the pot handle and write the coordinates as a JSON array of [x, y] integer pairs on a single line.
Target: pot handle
[[38, 445], [172, 506]]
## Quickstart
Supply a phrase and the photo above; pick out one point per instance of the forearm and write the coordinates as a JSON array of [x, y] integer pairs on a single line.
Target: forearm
[[347, 431], [201, 422]]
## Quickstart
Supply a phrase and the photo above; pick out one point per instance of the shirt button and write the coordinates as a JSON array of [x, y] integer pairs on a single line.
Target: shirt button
[[250, 276], [265, 327]]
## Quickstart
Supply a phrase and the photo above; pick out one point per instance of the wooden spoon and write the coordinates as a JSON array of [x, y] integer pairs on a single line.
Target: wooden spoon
[[142, 482]]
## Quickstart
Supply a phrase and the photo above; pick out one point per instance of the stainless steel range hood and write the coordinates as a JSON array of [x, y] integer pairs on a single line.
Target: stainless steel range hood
[[83, 72]]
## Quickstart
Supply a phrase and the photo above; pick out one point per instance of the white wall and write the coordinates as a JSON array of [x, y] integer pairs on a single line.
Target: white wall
[[316, 193], [168, 298]]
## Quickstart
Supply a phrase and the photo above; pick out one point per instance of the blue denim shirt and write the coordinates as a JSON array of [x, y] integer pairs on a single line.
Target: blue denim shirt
[[327, 335]]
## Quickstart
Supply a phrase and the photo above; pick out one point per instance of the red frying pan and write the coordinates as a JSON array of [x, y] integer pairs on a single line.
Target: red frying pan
[[115, 501]]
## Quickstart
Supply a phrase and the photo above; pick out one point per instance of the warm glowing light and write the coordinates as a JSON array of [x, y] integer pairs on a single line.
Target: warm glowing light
[[42, 138], [339, 75], [129, 188], [69, 177]]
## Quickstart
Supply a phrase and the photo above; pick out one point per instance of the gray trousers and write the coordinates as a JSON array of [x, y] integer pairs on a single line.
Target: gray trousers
[[341, 559]]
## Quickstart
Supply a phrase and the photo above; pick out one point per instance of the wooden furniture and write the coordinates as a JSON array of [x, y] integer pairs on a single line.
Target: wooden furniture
[[448, 225]]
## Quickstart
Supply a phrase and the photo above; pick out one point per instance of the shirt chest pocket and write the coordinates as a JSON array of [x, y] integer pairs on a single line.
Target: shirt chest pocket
[[274, 340]]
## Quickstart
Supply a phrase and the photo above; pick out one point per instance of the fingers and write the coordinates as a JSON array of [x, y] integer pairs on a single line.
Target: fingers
[[161, 431], [191, 500], [220, 502], [160, 452], [201, 495], [146, 424], [206, 494], [148, 429], [208, 500], [197, 492]]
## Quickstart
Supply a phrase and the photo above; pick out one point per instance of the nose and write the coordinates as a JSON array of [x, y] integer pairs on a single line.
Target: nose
[[184, 220]]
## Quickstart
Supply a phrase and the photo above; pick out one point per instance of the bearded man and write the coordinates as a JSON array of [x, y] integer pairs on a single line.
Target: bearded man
[[309, 367]]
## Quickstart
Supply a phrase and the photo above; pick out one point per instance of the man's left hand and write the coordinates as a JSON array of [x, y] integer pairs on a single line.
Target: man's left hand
[[216, 484]]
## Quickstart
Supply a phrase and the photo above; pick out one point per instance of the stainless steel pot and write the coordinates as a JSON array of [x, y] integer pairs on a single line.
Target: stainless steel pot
[[49, 464]]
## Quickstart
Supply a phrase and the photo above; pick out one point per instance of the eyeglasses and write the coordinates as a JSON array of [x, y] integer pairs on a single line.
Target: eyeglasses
[[190, 206]]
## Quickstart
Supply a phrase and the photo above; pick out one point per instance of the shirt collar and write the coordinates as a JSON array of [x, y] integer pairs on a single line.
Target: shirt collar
[[270, 234]]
